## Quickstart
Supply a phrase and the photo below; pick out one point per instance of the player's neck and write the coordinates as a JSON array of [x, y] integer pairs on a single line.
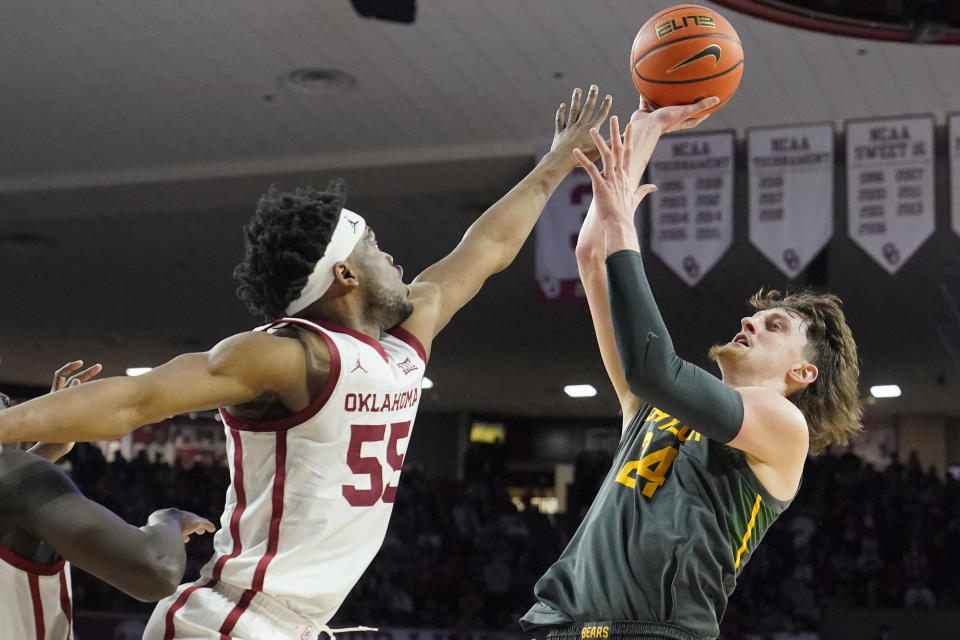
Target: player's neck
[[737, 380], [343, 312]]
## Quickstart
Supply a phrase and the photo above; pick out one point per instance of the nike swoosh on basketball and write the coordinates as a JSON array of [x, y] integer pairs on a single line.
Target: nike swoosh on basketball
[[710, 50]]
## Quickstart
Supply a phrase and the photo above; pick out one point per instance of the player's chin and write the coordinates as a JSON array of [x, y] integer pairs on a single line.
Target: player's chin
[[725, 352]]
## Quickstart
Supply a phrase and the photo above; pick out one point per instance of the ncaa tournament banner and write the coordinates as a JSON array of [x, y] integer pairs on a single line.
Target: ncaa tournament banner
[[890, 204], [791, 193], [953, 134], [555, 238], [691, 213]]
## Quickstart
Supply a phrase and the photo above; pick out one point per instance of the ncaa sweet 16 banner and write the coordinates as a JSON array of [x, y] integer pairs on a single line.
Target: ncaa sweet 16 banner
[[691, 213], [890, 187], [953, 127], [791, 193]]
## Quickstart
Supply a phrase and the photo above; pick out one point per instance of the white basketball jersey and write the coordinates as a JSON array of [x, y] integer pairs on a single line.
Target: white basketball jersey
[[311, 495], [36, 600]]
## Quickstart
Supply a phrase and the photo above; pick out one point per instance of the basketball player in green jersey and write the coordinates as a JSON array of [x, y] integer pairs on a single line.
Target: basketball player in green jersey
[[704, 465]]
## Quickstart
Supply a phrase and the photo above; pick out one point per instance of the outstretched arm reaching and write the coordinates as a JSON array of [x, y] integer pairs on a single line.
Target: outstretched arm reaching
[[146, 562], [592, 250], [651, 367], [239, 369], [493, 241], [591, 253]]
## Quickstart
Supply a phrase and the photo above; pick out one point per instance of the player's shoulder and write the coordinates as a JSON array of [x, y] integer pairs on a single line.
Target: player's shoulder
[[773, 410], [261, 356], [260, 345]]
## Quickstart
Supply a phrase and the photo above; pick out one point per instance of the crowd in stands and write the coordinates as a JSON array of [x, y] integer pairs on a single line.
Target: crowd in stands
[[460, 555]]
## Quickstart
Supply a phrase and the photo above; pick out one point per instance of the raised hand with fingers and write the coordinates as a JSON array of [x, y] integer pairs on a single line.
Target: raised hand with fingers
[[573, 124], [648, 125], [65, 377], [615, 191]]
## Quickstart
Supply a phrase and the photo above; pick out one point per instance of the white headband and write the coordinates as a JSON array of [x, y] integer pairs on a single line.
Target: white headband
[[350, 228]]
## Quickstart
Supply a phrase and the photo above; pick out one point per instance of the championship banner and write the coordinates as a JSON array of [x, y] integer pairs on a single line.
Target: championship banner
[[953, 134], [791, 193], [890, 205], [555, 238], [691, 213]]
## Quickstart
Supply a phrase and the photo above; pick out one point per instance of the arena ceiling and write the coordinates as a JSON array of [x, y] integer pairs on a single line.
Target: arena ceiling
[[135, 138]]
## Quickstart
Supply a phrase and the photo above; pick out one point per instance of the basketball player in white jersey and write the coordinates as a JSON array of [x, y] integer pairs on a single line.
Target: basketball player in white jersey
[[318, 406], [46, 522]]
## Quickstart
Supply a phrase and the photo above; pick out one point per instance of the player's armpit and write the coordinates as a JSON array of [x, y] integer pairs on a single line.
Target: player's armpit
[[237, 370]]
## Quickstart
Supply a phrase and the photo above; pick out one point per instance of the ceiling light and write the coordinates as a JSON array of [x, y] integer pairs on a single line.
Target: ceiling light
[[137, 371], [885, 391], [580, 390], [427, 383]]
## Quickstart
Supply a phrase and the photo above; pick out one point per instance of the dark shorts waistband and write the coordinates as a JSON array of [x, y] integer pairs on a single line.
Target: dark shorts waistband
[[620, 631]]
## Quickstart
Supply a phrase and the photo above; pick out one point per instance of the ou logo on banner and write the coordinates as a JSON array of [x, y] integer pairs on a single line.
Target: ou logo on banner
[[791, 259], [891, 253]]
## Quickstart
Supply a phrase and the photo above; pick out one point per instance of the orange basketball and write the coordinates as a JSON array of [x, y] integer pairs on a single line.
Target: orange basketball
[[685, 53]]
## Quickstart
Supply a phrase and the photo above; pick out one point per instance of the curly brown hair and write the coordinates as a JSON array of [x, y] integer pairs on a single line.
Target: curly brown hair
[[831, 403]]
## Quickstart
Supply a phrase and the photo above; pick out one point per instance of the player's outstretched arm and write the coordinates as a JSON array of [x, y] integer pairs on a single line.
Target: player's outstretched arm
[[493, 241], [591, 244], [146, 563], [650, 366], [591, 253], [239, 369]]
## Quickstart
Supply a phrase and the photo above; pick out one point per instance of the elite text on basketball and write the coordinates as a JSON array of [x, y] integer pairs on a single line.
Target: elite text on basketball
[[675, 24]]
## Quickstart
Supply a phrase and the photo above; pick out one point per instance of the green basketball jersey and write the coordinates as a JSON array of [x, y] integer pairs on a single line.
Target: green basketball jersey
[[669, 532]]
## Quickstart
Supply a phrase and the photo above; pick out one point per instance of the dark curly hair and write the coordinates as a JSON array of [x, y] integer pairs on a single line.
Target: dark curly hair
[[283, 241]]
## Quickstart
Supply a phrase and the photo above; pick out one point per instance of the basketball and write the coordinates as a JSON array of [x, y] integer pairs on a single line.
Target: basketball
[[686, 53]]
